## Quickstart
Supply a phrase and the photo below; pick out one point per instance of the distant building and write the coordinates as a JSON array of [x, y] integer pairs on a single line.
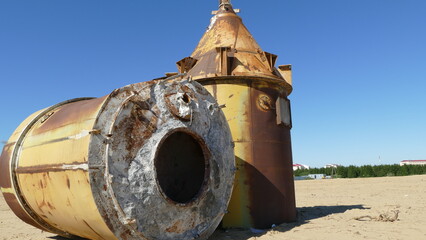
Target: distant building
[[411, 162], [332, 165], [316, 176], [300, 177], [300, 166]]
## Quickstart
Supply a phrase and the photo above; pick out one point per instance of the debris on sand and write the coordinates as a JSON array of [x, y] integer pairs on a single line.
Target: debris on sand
[[390, 216]]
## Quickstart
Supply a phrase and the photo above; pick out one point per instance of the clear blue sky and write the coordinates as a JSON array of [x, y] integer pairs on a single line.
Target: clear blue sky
[[359, 67]]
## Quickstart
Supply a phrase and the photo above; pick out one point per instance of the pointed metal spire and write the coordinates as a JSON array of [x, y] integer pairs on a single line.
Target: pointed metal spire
[[225, 6], [228, 49], [224, 2]]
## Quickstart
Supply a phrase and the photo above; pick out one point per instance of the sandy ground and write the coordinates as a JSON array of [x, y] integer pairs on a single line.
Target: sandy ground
[[328, 209]]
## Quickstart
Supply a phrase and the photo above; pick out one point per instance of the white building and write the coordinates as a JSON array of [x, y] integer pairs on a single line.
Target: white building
[[316, 176], [300, 166], [411, 162], [332, 165]]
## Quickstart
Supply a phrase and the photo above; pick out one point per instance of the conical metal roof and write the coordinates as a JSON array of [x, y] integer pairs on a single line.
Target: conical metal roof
[[228, 49]]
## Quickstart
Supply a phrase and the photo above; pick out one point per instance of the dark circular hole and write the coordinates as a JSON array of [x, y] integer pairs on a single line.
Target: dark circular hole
[[181, 167]]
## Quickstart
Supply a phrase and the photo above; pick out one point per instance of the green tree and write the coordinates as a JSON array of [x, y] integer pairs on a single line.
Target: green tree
[[402, 171], [342, 172], [367, 171], [353, 172]]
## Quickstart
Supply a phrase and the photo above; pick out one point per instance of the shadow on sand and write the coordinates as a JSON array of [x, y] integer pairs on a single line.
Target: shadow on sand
[[63, 238], [304, 215]]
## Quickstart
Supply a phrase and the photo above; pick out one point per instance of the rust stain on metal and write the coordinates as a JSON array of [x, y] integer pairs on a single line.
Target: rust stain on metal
[[134, 170], [175, 228], [13, 203], [5, 167], [272, 175], [238, 54], [31, 205], [238, 73], [137, 127], [50, 206], [6, 182], [44, 204], [125, 235], [102, 151], [265, 103], [68, 183], [68, 113], [228, 49]]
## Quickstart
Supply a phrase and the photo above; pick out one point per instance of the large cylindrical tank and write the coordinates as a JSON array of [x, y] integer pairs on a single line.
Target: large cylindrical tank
[[152, 160], [263, 191], [241, 76]]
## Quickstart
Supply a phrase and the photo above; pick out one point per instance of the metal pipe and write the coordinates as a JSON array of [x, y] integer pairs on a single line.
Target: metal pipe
[[151, 160]]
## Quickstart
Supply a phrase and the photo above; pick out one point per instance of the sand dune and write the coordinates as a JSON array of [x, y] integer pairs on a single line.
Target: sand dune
[[367, 208]]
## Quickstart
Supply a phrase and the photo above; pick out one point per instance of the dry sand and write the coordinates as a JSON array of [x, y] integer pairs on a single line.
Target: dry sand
[[328, 209]]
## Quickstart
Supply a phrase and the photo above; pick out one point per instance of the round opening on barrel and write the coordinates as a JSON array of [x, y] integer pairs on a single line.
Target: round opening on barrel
[[181, 166]]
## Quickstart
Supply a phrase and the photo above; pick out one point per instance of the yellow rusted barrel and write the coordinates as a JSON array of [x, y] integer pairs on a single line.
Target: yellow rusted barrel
[[150, 160], [243, 77]]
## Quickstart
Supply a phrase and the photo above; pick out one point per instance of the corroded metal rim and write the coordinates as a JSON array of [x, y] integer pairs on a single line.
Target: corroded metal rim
[[109, 198], [284, 87]]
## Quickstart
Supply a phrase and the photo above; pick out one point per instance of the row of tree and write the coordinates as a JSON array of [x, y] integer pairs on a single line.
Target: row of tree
[[365, 171]]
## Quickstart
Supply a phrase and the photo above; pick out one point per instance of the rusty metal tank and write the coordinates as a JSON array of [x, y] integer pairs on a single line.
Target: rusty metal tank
[[151, 160], [230, 64]]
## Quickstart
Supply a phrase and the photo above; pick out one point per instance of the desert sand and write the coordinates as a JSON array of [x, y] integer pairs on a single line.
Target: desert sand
[[362, 208]]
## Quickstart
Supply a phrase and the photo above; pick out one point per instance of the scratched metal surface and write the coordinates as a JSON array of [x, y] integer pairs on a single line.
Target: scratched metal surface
[[87, 167]]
